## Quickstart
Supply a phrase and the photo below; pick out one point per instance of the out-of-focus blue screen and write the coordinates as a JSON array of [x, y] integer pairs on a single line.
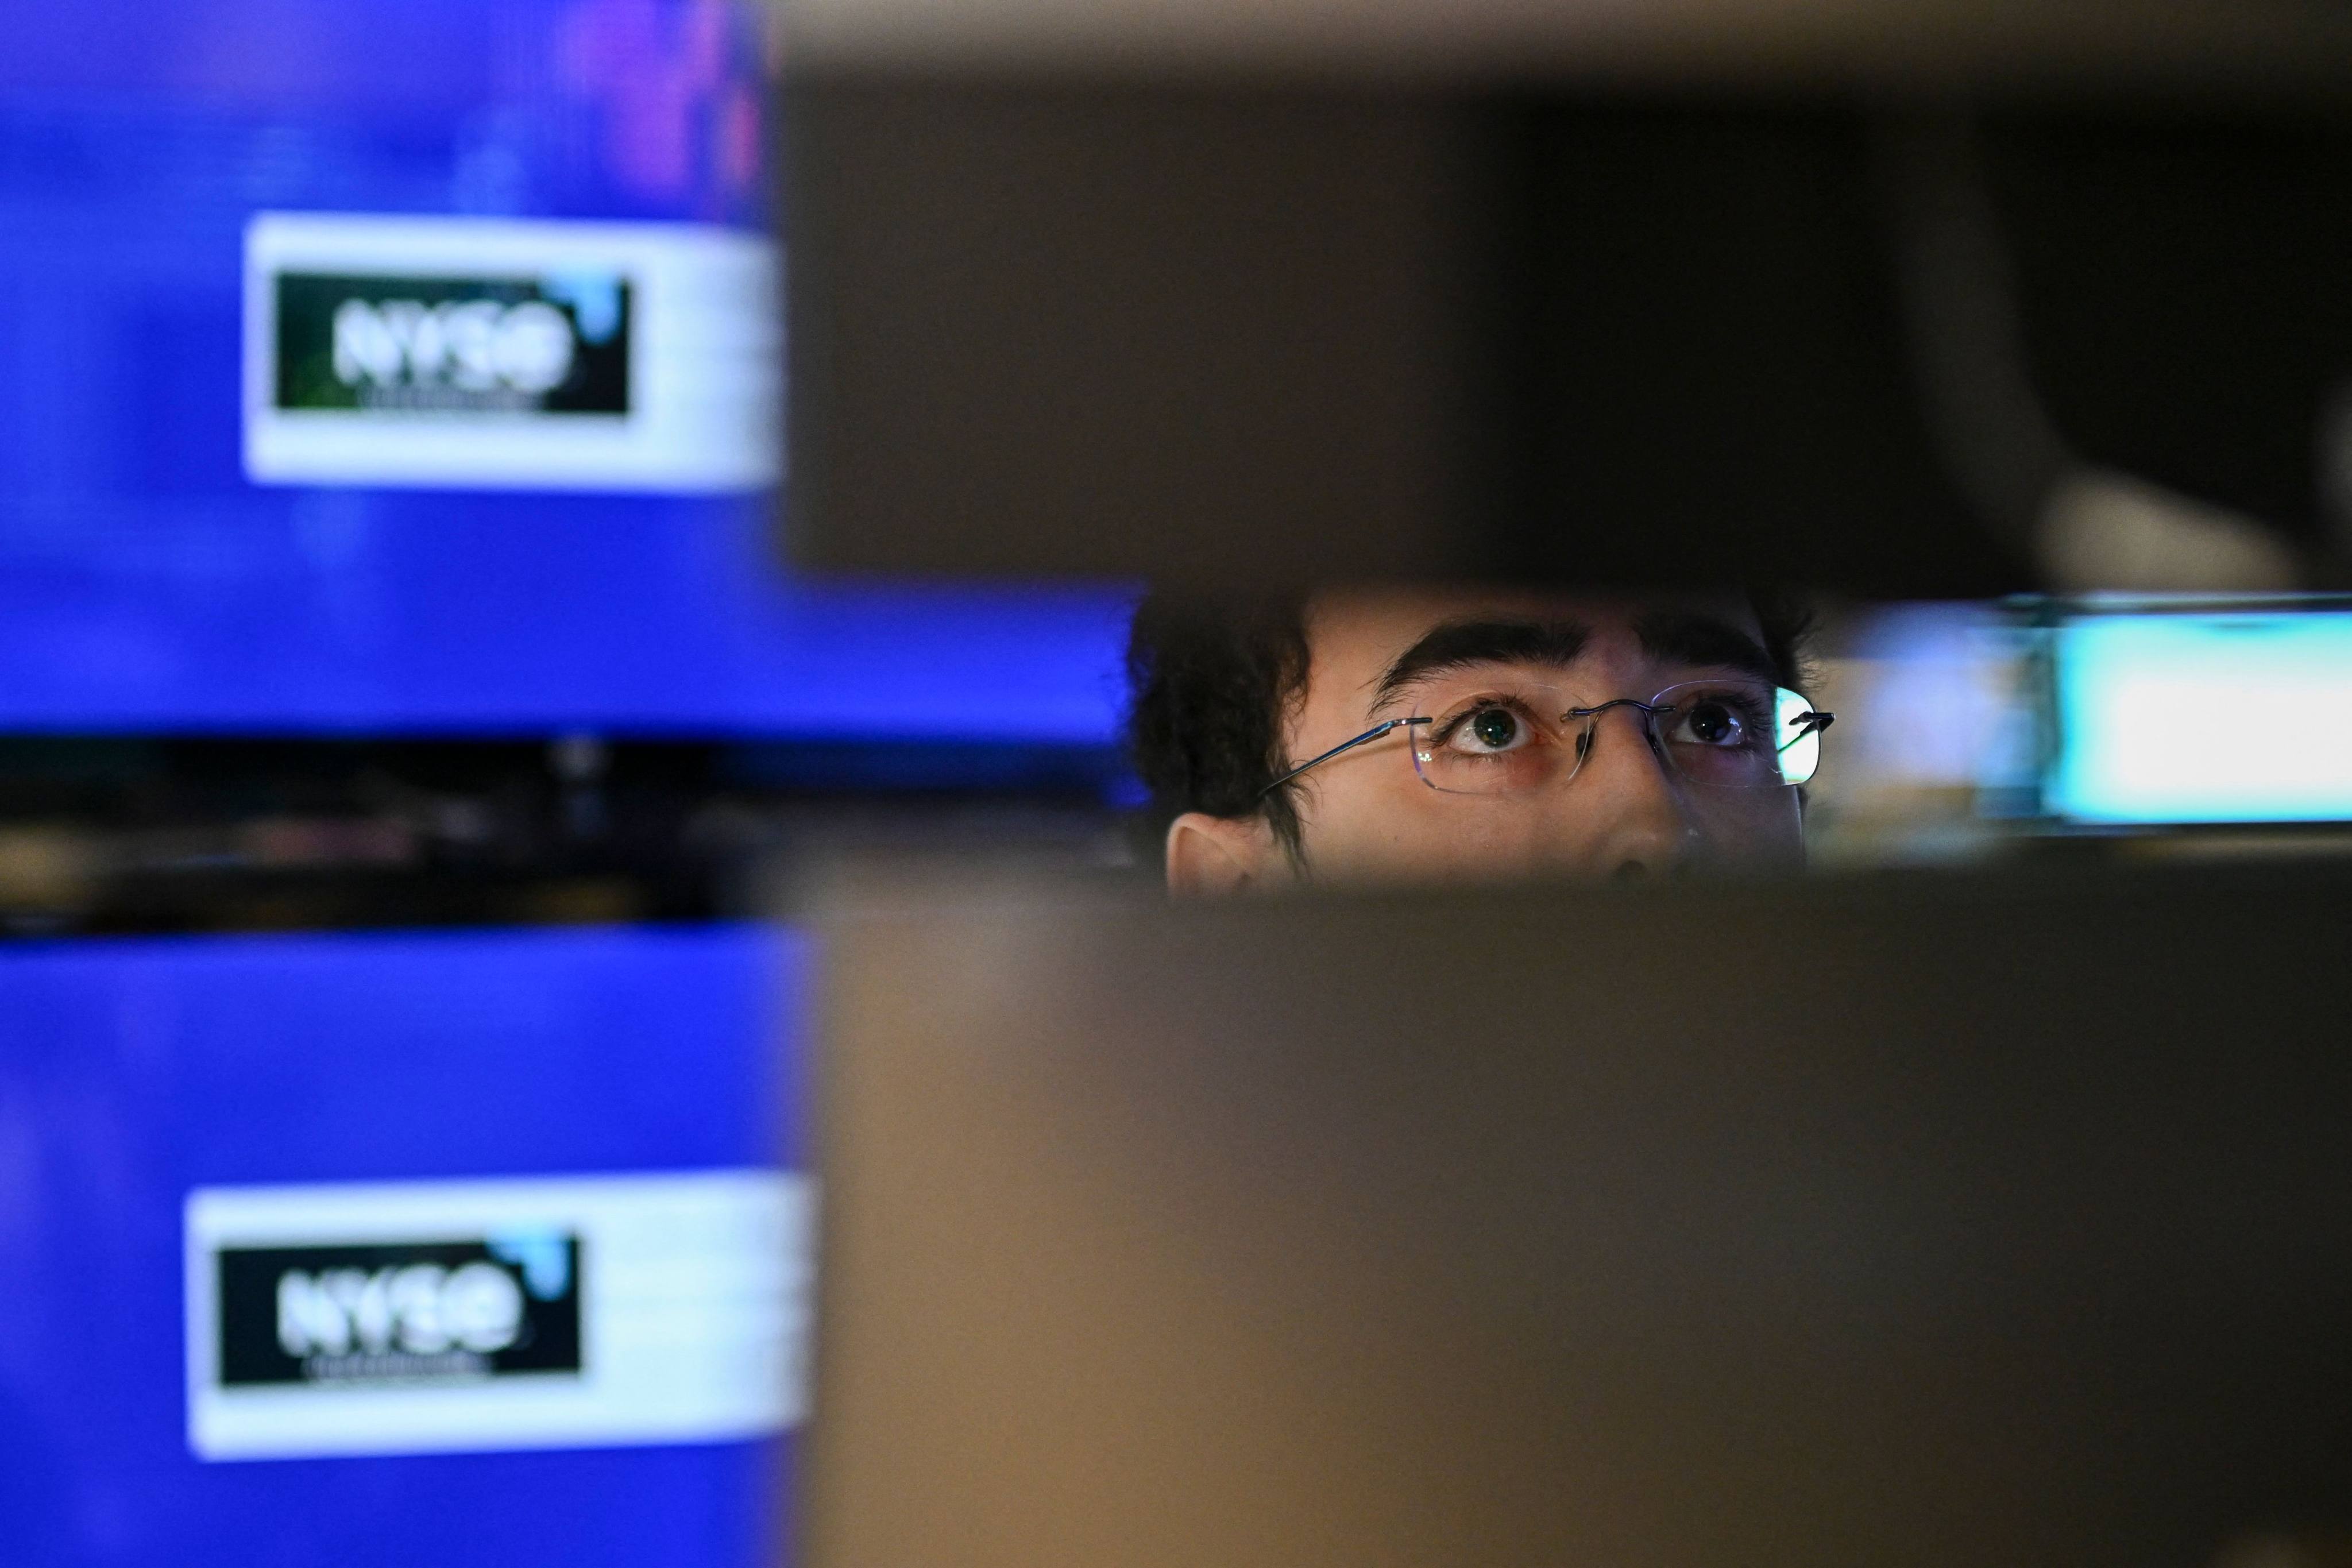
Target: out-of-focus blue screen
[[147, 581], [135, 1073], [2195, 717]]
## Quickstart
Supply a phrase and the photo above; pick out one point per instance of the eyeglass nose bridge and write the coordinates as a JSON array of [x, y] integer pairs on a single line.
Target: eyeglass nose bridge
[[1651, 708], [1586, 737]]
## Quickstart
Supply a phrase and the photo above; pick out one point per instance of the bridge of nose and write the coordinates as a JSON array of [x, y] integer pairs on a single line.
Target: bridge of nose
[[1634, 820]]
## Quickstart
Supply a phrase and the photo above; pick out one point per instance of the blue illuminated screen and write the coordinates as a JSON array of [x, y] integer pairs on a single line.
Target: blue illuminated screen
[[185, 545], [435, 1088]]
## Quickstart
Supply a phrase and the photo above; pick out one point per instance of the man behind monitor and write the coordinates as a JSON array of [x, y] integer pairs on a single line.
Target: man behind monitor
[[1415, 734]]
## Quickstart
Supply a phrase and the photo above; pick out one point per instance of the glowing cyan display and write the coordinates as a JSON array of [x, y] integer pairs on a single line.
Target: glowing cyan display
[[2192, 716]]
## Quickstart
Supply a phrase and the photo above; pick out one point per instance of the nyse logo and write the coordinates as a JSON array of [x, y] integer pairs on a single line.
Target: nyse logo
[[471, 345], [405, 1311], [552, 345]]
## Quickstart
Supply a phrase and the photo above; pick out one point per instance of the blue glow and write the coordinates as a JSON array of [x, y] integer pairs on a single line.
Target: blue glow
[[145, 583], [132, 1071], [2189, 718]]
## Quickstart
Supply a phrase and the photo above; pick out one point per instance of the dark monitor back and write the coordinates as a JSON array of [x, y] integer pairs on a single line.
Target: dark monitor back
[[1237, 331], [1937, 1221]]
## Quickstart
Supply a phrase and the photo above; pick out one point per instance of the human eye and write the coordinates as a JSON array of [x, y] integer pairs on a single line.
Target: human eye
[[1488, 726], [1719, 717]]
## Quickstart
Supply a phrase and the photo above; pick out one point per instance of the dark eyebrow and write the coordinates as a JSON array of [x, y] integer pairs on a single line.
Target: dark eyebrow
[[1684, 636], [1456, 644]]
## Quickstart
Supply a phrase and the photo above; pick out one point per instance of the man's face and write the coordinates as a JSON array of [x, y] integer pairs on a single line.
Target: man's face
[[1489, 669]]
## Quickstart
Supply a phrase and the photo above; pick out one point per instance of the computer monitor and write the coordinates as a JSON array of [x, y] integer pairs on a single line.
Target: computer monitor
[[1916, 307], [410, 366], [2191, 713], [379, 1248], [1935, 1220]]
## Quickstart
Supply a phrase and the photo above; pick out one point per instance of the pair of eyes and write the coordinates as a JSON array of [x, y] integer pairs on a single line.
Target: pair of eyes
[[1497, 725]]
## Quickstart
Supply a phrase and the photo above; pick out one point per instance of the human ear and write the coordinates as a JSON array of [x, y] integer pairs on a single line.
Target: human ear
[[1214, 855]]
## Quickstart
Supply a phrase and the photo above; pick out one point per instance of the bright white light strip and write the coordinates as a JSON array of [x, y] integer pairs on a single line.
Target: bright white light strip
[[2186, 718]]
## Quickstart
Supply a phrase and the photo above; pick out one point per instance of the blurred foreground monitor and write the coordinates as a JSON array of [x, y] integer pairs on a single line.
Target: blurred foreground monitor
[[1956, 301], [1933, 1220]]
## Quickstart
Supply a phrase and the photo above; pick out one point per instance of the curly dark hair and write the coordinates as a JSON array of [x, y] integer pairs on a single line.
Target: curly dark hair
[[1212, 683]]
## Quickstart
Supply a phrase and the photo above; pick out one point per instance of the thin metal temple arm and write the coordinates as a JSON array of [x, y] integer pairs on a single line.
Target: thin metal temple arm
[[1374, 733]]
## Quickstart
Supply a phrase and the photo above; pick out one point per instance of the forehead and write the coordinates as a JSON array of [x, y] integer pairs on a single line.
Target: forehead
[[1354, 637]]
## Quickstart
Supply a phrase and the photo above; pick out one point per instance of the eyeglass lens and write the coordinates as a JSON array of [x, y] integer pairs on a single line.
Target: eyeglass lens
[[1503, 739]]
